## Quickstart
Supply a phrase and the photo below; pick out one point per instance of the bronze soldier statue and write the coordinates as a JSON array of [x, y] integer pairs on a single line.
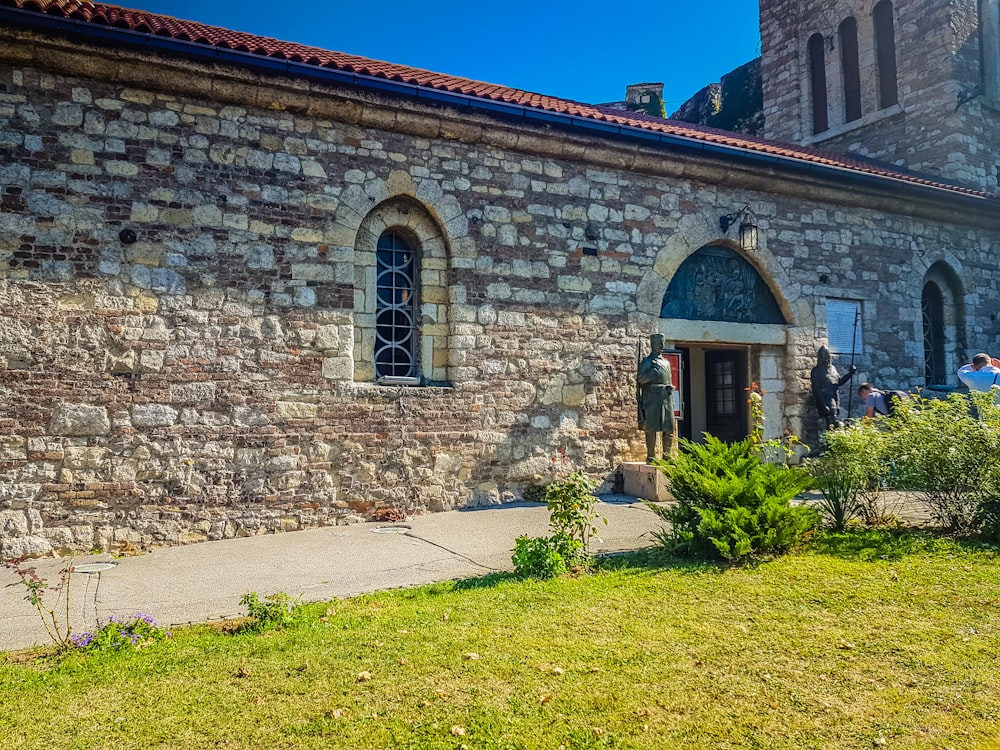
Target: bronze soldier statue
[[654, 392], [825, 382]]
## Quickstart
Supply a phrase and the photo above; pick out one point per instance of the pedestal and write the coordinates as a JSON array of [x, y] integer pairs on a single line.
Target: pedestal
[[646, 482]]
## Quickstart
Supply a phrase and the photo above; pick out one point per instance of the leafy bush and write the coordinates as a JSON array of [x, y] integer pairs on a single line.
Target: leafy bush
[[730, 503], [571, 508], [946, 451], [544, 557], [121, 634], [275, 612], [572, 521]]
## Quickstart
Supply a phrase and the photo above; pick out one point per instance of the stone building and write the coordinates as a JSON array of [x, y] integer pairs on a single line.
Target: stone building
[[249, 286], [916, 84]]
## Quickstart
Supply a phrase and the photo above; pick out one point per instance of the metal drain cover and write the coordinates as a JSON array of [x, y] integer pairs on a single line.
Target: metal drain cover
[[91, 568], [391, 530]]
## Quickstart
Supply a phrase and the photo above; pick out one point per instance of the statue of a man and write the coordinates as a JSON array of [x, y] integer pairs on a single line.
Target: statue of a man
[[825, 382], [654, 391]]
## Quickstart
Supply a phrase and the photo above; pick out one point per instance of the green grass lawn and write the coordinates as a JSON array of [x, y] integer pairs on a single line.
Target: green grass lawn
[[860, 641]]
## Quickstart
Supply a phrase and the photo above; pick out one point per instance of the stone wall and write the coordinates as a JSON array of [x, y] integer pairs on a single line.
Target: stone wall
[[945, 124], [211, 376]]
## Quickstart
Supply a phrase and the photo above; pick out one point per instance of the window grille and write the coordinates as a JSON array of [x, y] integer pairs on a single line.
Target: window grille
[[395, 311]]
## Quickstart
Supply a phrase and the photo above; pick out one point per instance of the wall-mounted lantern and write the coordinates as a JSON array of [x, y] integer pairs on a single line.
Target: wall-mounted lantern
[[748, 227]]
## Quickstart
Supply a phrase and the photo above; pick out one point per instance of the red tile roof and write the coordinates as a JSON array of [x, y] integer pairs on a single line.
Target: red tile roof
[[214, 36]]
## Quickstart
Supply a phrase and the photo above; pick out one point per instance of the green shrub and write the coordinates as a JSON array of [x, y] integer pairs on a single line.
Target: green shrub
[[571, 503], [946, 455], [945, 451], [731, 504], [572, 520], [273, 612], [545, 557]]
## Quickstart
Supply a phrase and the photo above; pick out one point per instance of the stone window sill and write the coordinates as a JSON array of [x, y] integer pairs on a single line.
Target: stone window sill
[[847, 127]]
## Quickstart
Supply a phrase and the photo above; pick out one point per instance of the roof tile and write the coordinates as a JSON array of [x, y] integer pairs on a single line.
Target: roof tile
[[190, 31]]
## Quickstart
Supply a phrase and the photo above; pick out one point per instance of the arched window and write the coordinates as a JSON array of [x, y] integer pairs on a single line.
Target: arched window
[[885, 54], [989, 45], [932, 308], [943, 313], [817, 77], [395, 309], [851, 69]]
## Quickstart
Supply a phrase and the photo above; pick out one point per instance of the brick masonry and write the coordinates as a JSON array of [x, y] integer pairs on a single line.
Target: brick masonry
[[213, 378]]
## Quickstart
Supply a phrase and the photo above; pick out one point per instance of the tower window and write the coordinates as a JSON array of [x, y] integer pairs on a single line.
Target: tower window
[[817, 77], [851, 69], [885, 54]]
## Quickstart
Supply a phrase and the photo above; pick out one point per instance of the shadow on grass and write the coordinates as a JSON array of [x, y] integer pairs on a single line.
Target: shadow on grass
[[891, 544]]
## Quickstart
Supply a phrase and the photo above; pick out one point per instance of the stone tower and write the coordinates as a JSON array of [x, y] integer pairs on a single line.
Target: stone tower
[[911, 82]]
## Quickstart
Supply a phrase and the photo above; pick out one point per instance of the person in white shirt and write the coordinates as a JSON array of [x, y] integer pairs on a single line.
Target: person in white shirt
[[982, 374]]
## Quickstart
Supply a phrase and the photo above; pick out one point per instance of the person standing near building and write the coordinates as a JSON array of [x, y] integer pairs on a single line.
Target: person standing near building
[[982, 374]]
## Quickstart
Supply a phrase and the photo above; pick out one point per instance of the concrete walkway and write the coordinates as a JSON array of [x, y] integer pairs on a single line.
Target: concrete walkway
[[203, 582]]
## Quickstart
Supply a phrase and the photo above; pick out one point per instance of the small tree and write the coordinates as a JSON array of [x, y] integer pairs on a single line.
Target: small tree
[[947, 455]]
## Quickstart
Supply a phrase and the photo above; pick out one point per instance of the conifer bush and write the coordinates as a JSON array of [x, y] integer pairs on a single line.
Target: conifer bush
[[731, 504]]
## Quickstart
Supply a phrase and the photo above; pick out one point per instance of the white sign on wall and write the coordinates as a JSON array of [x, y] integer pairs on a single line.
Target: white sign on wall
[[843, 326]]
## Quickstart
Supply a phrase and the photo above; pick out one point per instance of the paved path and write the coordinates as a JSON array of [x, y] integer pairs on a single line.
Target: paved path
[[202, 582]]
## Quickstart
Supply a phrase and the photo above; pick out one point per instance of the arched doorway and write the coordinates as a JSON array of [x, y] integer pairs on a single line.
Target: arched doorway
[[718, 285]]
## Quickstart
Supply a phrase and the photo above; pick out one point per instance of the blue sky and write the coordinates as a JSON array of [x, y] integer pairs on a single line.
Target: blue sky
[[587, 50]]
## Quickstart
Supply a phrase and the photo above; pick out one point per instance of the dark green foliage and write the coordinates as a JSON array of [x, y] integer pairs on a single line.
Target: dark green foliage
[[731, 504], [988, 519]]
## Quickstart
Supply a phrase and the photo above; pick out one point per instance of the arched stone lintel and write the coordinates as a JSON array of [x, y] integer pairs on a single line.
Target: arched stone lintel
[[692, 235]]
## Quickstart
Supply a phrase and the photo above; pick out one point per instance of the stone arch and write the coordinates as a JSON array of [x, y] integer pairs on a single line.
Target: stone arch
[[942, 306], [411, 219], [694, 233]]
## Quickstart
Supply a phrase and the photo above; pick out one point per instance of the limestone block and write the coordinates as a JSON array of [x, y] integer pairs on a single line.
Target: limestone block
[[328, 337], [338, 368], [646, 482], [79, 420], [13, 523], [574, 395], [313, 272], [28, 546], [84, 458], [13, 448], [153, 415], [295, 410], [192, 393]]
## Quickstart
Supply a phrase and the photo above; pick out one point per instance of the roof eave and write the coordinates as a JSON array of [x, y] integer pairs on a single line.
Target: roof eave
[[91, 32]]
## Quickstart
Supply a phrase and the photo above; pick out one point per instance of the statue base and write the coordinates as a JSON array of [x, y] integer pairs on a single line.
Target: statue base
[[646, 482]]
